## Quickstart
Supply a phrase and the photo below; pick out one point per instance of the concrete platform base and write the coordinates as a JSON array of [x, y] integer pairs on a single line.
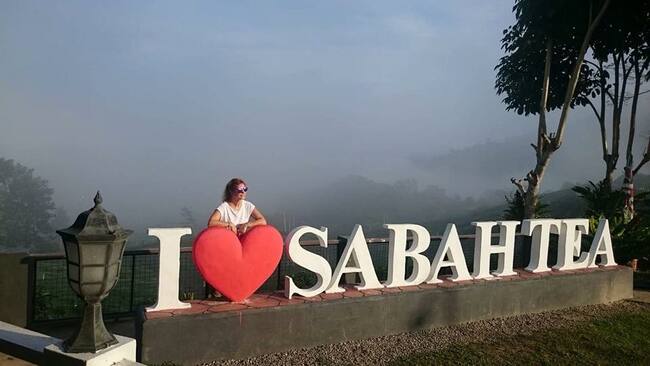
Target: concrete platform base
[[32, 347], [123, 351], [212, 330]]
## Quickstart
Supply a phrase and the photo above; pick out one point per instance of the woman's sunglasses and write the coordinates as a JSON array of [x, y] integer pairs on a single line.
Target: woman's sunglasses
[[242, 190]]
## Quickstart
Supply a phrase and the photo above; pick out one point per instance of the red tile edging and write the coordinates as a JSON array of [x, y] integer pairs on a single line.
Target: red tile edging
[[275, 299]]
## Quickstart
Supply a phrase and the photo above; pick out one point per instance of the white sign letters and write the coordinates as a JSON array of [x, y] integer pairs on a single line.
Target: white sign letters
[[356, 258], [169, 268], [483, 248], [570, 243], [357, 251], [307, 260], [397, 254], [449, 248], [450, 253]]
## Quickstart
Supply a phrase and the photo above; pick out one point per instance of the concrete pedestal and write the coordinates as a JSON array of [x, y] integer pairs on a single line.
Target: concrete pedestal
[[125, 349], [212, 330]]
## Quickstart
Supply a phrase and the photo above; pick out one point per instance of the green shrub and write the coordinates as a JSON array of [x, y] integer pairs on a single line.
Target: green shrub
[[515, 208], [630, 237]]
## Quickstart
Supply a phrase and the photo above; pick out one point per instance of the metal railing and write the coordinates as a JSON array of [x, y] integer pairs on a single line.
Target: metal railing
[[51, 298]]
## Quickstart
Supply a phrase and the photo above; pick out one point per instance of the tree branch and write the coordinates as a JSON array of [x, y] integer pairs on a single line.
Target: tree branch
[[640, 93], [617, 77], [541, 128], [603, 105], [626, 75], [531, 178], [593, 108], [646, 158], [557, 141], [611, 98], [635, 100], [517, 183]]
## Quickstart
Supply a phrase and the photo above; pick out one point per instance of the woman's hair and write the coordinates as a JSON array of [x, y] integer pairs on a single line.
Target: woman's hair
[[231, 187]]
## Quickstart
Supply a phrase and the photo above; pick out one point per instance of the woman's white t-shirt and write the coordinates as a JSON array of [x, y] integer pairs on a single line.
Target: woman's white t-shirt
[[236, 216]]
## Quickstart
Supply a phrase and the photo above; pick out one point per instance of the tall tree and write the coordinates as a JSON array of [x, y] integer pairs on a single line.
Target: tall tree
[[545, 47], [25, 207], [61, 219], [620, 63]]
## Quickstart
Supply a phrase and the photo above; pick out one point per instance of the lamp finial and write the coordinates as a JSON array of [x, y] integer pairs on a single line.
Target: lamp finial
[[98, 199]]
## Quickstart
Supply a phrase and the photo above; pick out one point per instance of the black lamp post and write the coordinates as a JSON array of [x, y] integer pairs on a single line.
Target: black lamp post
[[94, 246]]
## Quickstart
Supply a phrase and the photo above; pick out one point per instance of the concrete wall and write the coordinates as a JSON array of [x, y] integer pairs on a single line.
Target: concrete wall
[[14, 288], [190, 339]]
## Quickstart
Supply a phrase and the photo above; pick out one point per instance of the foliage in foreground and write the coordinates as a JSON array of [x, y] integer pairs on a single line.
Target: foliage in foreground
[[516, 208], [623, 339], [630, 237]]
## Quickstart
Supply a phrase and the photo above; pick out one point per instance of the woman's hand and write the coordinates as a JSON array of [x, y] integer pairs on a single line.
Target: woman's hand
[[232, 228], [242, 228]]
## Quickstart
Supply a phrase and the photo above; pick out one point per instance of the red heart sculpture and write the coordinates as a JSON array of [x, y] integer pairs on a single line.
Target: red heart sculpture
[[237, 266]]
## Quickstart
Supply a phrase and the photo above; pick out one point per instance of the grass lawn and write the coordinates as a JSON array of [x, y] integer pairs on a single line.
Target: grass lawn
[[622, 339]]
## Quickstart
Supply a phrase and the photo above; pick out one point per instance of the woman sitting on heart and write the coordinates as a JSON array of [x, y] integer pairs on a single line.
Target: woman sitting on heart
[[237, 265], [235, 213]]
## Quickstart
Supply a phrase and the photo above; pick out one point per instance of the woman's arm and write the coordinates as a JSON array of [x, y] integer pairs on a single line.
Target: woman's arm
[[256, 219], [215, 220]]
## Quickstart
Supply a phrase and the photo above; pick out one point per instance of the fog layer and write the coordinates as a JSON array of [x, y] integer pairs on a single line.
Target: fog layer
[[159, 104]]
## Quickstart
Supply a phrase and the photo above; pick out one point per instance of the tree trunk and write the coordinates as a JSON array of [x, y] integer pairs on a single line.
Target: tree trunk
[[534, 178], [530, 202], [573, 81], [601, 117], [546, 146], [646, 159], [628, 183], [612, 158], [610, 166], [531, 195], [620, 83]]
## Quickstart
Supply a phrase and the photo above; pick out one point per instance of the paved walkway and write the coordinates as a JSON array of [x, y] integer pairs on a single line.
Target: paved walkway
[[6, 360]]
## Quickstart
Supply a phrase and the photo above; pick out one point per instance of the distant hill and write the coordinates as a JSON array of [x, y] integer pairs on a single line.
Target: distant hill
[[489, 165], [566, 203], [563, 203]]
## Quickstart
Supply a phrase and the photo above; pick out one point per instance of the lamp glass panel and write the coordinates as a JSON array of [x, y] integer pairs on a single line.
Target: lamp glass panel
[[73, 272], [92, 274], [117, 252], [112, 272], [93, 253], [75, 287], [91, 290], [111, 276], [72, 250]]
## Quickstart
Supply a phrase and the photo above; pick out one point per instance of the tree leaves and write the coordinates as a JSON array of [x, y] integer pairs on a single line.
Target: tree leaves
[[26, 206], [515, 208], [623, 30], [631, 238]]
